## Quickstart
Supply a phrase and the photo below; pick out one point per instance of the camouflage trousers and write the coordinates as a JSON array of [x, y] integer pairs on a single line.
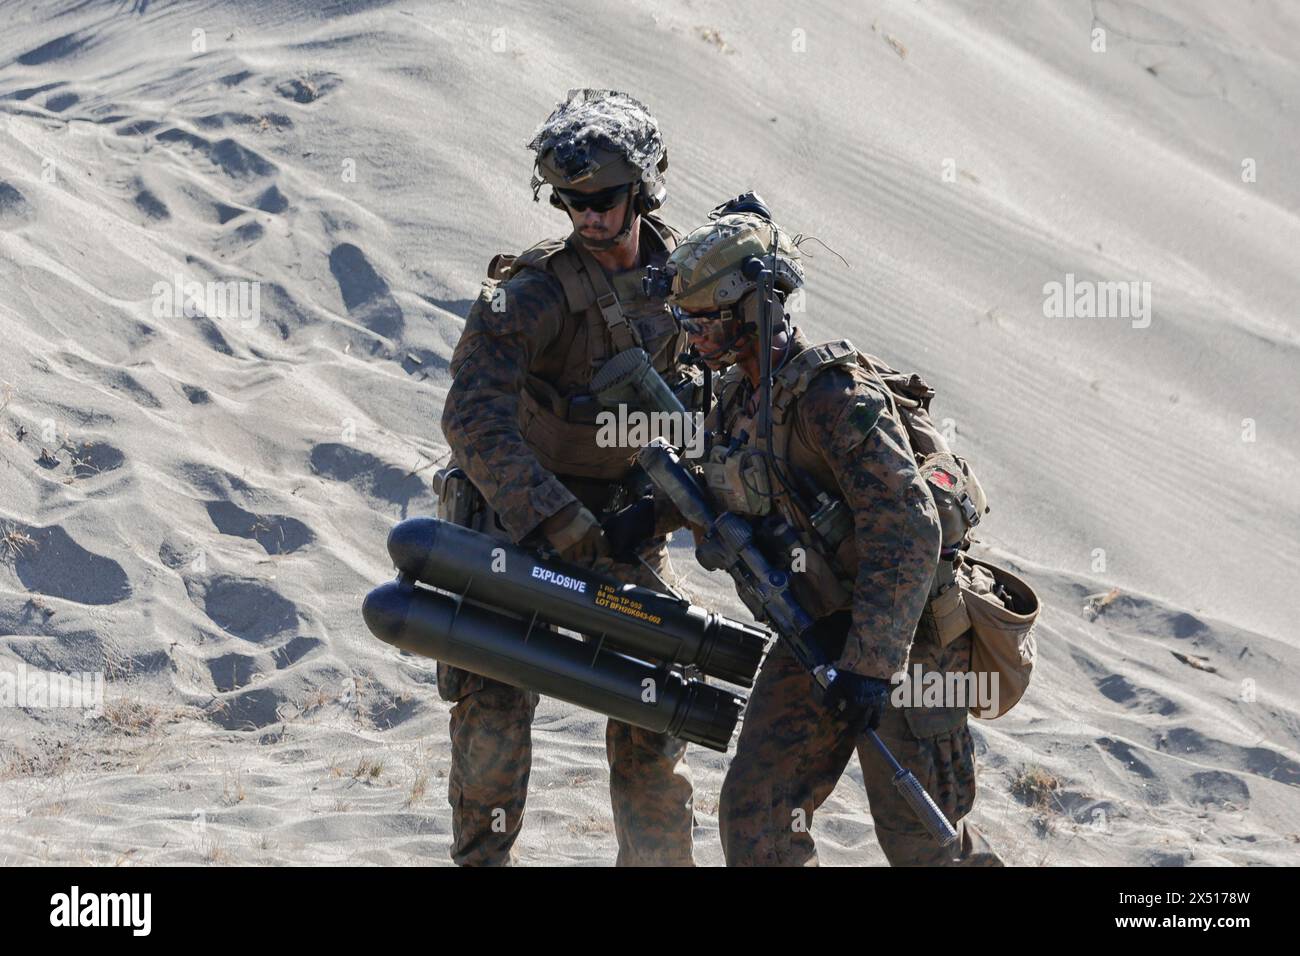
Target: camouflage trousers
[[491, 758], [791, 753]]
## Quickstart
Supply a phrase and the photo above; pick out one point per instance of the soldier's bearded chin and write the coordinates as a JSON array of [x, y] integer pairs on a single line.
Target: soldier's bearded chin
[[589, 237]]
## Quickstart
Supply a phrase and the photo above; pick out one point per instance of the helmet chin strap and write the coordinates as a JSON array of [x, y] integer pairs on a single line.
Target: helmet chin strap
[[629, 214], [729, 353]]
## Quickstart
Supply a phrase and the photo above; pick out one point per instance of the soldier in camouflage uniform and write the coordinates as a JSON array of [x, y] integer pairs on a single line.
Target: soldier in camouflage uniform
[[520, 420], [836, 436]]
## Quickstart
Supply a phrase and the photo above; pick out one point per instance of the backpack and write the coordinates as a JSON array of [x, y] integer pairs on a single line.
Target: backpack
[[996, 607]]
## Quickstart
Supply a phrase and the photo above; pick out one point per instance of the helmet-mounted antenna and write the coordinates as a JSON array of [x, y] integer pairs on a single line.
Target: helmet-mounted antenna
[[755, 269]]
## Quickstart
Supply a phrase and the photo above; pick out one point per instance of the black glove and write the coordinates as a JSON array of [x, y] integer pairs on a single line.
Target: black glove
[[630, 528], [857, 699]]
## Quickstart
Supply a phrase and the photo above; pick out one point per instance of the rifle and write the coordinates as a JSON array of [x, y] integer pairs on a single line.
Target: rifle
[[728, 544]]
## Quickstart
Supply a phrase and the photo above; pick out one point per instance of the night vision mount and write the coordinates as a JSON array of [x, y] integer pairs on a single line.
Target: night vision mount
[[750, 202]]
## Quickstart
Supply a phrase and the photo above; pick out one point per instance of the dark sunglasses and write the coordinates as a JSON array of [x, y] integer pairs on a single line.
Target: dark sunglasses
[[603, 201], [695, 322]]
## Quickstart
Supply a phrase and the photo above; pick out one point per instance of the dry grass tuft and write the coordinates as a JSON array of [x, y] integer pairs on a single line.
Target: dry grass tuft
[[215, 854], [15, 543], [132, 717], [1036, 786], [712, 36], [418, 787]]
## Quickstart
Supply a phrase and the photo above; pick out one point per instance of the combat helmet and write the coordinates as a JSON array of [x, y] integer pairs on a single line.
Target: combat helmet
[[599, 140], [714, 269]]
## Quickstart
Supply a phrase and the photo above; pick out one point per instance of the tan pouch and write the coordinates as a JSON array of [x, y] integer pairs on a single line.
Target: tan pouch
[[739, 482], [951, 620], [1003, 642], [569, 448]]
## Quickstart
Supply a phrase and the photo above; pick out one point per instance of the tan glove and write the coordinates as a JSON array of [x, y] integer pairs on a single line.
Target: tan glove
[[575, 533]]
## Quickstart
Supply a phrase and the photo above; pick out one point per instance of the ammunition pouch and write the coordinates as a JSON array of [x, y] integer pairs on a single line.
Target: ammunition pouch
[[461, 503], [948, 607], [565, 432], [960, 502], [832, 521], [567, 447], [958, 498], [738, 481], [821, 586]]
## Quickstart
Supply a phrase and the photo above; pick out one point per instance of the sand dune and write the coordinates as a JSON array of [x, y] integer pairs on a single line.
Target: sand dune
[[194, 504]]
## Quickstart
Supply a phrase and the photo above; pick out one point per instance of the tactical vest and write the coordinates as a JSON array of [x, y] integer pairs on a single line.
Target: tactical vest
[[738, 475], [557, 413]]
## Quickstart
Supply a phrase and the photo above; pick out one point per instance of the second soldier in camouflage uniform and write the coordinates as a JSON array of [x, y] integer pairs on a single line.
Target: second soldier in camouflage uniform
[[837, 436], [520, 420]]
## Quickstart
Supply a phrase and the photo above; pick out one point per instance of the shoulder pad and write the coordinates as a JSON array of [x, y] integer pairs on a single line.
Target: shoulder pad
[[550, 256], [504, 265], [910, 387], [793, 380]]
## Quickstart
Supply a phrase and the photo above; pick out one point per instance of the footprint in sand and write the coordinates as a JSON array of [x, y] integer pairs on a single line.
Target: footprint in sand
[[1218, 789], [250, 709], [368, 474], [247, 608], [56, 49], [233, 159], [366, 295], [196, 394], [110, 377], [152, 206], [226, 213], [1153, 790], [272, 201], [277, 534], [61, 101], [28, 92], [1262, 761], [14, 208], [234, 671], [1121, 690], [54, 564]]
